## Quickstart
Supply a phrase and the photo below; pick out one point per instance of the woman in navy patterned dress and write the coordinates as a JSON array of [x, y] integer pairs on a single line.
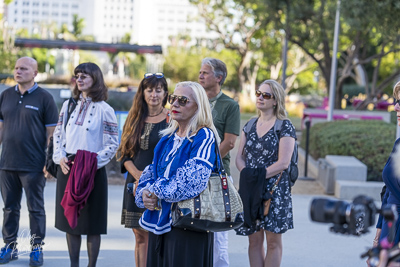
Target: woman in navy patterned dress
[[183, 161], [262, 148]]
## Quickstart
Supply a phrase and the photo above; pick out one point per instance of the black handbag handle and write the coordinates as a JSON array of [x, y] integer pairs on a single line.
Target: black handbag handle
[[218, 159]]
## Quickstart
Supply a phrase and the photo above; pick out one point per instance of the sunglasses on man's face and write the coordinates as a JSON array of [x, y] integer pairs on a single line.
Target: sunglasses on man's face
[[157, 74], [396, 101], [182, 100], [264, 95]]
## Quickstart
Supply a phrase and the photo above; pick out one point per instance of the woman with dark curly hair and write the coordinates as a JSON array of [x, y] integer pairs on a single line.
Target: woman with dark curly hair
[[146, 118], [83, 144]]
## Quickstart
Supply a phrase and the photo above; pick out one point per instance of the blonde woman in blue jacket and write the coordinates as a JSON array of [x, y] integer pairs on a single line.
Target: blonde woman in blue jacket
[[182, 164]]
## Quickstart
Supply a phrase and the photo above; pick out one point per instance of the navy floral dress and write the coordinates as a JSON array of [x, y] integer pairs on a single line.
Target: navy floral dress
[[263, 152]]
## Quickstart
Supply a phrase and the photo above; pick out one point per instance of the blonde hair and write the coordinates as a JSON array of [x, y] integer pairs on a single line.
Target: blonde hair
[[396, 90], [202, 117], [279, 95]]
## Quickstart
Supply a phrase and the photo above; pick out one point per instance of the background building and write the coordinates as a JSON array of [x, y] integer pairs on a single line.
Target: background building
[[149, 22], [164, 21]]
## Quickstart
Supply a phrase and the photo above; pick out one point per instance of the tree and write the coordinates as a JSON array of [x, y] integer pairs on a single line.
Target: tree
[[376, 38], [78, 24], [183, 63], [245, 28], [242, 28], [309, 25]]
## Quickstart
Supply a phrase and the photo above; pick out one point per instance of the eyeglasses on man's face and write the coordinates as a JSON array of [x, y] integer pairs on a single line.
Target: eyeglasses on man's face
[[264, 95], [157, 75], [182, 100]]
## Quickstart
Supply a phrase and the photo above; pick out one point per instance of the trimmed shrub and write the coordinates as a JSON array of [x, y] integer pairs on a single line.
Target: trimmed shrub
[[371, 142]]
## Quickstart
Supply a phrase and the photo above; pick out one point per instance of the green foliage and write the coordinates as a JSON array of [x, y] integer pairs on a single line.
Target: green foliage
[[381, 15], [183, 64], [137, 67], [243, 27], [126, 38], [78, 25], [369, 141], [353, 90], [120, 101], [42, 57], [88, 56]]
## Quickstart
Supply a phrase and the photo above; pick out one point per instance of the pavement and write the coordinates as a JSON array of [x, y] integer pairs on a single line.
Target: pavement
[[308, 244]]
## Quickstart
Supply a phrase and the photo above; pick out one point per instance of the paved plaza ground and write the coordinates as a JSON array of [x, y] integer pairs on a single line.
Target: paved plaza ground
[[308, 244]]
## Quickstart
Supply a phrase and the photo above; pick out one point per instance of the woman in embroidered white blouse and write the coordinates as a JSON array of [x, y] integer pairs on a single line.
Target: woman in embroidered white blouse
[[92, 127]]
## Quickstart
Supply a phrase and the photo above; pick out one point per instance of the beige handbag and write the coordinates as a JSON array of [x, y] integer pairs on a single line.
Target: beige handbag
[[218, 208]]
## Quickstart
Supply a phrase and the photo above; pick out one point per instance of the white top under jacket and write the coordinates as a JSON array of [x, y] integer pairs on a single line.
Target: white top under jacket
[[92, 127]]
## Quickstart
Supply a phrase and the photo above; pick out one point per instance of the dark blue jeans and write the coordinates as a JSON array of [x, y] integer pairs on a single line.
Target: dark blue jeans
[[11, 184]]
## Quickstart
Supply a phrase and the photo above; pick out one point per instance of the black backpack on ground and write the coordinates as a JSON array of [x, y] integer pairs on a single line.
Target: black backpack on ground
[[51, 167], [292, 170]]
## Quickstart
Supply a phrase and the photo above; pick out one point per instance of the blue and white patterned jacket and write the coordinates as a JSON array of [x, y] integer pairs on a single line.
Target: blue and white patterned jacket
[[180, 170]]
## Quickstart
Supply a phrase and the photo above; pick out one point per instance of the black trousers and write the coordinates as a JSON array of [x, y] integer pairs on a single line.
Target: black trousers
[[11, 184]]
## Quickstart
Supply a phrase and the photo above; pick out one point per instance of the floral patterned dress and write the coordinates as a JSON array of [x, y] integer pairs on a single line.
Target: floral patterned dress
[[263, 152]]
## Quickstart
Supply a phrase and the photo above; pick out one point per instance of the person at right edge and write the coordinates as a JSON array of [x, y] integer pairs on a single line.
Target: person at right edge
[[390, 176], [261, 150], [226, 117]]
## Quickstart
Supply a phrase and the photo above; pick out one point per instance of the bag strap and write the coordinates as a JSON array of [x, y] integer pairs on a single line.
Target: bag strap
[[276, 184], [278, 128], [247, 128], [218, 158], [249, 124], [71, 107]]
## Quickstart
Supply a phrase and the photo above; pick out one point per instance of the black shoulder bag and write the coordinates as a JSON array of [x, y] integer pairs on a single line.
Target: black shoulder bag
[[51, 167]]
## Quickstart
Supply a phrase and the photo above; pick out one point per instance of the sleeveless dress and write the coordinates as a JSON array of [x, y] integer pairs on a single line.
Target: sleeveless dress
[[150, 137], [263, 152]]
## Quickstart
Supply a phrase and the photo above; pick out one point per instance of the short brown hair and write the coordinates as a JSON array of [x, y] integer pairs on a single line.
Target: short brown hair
[[99, 91]]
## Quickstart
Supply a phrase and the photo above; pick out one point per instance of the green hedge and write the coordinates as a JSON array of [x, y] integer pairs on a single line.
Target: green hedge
[[369, 141]]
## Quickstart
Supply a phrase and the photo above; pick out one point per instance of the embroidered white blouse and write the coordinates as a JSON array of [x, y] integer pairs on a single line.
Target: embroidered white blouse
[[92, 127]]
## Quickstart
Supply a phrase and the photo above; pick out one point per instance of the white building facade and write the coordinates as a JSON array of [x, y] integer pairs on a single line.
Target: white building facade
[[149, 22], [161, 21]]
